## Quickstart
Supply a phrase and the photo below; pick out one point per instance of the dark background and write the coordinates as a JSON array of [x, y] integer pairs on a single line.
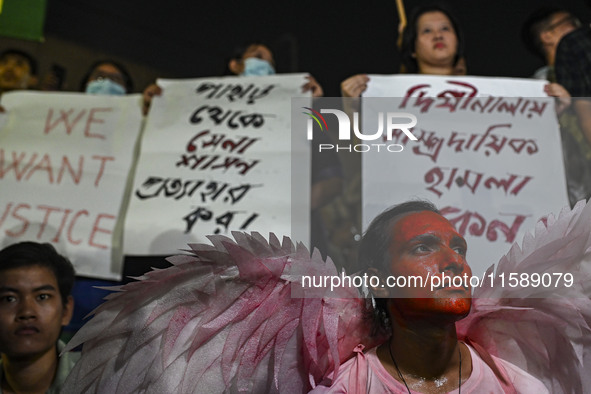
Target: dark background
[[331, 40]]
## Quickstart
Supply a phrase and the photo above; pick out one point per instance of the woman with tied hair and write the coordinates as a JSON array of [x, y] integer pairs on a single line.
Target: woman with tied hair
[[432, 43]]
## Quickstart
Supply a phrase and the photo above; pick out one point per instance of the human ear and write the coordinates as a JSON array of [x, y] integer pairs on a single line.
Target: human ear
[[381, 290], [68, 310], [236, 66]]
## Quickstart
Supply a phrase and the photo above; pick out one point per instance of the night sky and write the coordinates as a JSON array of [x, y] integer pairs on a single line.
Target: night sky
[[331, 40]]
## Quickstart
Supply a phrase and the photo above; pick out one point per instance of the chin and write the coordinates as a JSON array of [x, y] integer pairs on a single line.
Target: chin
[[453, 309], [458, 307]]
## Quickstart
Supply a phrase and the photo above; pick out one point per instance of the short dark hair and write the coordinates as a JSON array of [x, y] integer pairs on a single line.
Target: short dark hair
[[117, 65], [373, 249], [18, 52], [533, 27], [28, 253], [409, 36]]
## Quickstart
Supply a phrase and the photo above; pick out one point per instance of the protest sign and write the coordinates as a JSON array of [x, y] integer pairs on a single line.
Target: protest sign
[[488, 154], [216, 157], [65, 160]]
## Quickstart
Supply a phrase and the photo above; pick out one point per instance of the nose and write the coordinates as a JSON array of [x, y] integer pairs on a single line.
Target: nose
[[27, 309], [452, 262]]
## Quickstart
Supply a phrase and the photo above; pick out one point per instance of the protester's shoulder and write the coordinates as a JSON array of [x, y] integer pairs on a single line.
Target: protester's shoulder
[[67, 361], [523, 381], [338, 385]]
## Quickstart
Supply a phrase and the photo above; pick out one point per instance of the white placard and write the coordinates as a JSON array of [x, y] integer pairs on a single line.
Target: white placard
[[216, 157], [488, 155], [65, 160]]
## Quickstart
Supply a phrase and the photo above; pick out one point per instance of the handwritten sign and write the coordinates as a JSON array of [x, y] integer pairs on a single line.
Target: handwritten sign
[[64, 163], [488, 155], [217, 157]]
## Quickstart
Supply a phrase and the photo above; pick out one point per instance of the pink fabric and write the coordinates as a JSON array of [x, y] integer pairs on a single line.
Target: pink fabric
[[367, 367]]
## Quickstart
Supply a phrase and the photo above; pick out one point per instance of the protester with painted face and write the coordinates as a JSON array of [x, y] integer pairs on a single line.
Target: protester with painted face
[[107, 77], [423, 353]]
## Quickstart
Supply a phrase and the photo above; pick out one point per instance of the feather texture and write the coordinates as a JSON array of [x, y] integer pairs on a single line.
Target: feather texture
[[233, 316], [545, 328], [228, 317]]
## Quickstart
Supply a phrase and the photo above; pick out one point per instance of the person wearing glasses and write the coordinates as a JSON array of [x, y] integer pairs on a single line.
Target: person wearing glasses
[[107, 77]]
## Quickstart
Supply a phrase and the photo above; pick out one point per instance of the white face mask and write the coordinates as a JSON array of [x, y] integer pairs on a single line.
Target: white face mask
[[253, 66], [105, 86]]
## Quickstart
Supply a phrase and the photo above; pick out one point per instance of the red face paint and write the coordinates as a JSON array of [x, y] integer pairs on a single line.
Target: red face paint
[[424, 244]]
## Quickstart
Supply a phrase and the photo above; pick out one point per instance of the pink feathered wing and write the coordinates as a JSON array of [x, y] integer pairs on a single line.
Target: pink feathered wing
[[222, 319], [545, 330]]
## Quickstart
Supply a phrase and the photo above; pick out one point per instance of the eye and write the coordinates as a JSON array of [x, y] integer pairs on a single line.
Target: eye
[[43, 297], [7, 298], [460, 250], [426, 30], [421, 248]]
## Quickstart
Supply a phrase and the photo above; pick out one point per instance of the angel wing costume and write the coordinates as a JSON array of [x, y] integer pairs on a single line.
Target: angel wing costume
[[234, 317]]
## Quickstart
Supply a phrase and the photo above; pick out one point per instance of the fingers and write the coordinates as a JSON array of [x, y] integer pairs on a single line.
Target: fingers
[[563, 96], [312, 86], [149, 93], [556, 90], [355, 85]]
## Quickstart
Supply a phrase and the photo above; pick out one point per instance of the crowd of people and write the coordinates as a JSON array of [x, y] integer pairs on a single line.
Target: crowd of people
[[423, 353]]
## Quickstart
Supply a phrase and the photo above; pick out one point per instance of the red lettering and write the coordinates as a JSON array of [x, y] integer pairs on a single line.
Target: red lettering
[[97, 229], [66, 164], [91, 119], [478, 228], [43, 165], [72, 224], [63, 118], [15, 214], [100, 172], [61, 227], [5, 214], [48, 210], [15, 164]]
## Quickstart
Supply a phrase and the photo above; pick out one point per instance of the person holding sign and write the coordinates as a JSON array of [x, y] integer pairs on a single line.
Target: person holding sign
[[542, 33], [35, 303], [107, 77], [253, 59], [256, 59], [432, 43]]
